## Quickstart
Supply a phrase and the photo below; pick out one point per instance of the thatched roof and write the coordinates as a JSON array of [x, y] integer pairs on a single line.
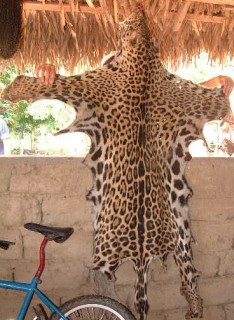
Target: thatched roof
[[80, 32]]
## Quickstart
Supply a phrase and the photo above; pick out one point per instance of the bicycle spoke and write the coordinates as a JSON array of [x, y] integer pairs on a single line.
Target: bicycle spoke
[[93, 313], [95, 308]]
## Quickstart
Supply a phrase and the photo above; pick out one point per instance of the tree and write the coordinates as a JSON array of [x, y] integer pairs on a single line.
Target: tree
[[26, 120]]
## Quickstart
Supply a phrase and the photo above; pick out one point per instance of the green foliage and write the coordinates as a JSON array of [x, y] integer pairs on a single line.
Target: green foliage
[[23, 119], [8, 75], [10, 112]]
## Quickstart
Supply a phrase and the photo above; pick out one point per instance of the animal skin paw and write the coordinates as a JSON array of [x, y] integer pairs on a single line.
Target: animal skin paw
[[191, 315]]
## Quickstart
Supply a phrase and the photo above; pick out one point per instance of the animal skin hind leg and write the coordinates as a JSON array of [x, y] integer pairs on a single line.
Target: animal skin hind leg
[[141, 299], [189, 277]]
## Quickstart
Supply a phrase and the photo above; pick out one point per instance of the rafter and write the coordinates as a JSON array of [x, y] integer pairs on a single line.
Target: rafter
[[29, 5], [201, 18], [221, 2], [180, 15], [228, 8]]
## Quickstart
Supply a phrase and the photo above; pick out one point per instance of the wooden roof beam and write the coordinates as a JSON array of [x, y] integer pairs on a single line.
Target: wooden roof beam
[[56, 7], [221, 2], [203, 18], [200, 18], [180, 15], [228, 8]]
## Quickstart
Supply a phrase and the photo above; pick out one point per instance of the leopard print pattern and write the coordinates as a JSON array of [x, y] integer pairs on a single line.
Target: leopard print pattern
[[141, 120]]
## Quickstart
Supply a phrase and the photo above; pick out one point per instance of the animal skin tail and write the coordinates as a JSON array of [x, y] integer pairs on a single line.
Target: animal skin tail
[[141, 300]]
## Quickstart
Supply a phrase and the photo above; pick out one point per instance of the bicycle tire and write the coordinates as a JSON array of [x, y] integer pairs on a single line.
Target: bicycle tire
[[94, 307]]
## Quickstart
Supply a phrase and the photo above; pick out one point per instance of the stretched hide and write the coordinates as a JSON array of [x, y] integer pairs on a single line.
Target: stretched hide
[[141, 120], [10, 27]]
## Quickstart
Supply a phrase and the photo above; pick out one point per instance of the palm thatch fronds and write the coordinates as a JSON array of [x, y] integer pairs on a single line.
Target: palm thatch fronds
[[78, 33]]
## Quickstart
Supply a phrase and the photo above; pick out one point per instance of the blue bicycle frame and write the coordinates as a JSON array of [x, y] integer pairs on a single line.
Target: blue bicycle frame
[[31, 288]]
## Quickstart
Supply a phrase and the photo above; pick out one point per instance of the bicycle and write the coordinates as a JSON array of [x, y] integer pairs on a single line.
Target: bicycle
[[89, 307]]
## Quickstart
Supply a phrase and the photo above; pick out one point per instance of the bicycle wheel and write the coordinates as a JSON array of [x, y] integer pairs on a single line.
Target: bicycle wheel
[[94, 307]]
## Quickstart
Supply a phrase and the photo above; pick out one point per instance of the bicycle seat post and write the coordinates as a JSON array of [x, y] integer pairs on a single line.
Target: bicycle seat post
[[42, 258]]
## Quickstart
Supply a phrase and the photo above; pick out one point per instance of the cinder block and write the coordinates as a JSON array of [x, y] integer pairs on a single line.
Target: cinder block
[[5, 176], [212, 237], [66, 177], [68, 274], [165, 296], [202, 178], [67, 211], [58, 274], [207, 264], [229, 309], [126, 295], [214, 313], [10, 303], [217, 291], [211, 177], [15, 252], [225, 185], [210, 313], [226, 263], [8, 269], [22, 169], [47, 175], [217, 210], [125, 275], [75, 248], [152, 315], [26, 269], [18, 209], [164, 274]]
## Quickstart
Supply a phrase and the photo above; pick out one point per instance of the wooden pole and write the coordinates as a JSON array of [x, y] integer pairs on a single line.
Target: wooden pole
[[29, 5]]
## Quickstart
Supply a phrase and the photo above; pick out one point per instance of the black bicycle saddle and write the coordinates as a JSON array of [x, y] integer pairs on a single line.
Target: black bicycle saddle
[[57, 234], [5, 244]]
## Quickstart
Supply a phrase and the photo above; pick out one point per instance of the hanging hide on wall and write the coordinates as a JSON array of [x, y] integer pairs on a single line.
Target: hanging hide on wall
[[141, 120], [10, 27]]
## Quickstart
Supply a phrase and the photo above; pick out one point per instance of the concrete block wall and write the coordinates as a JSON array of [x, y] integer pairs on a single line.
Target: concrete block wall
[[52, 191]]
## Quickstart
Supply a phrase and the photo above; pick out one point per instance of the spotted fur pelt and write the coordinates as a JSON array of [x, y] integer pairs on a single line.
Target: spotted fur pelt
[[141, 120]]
